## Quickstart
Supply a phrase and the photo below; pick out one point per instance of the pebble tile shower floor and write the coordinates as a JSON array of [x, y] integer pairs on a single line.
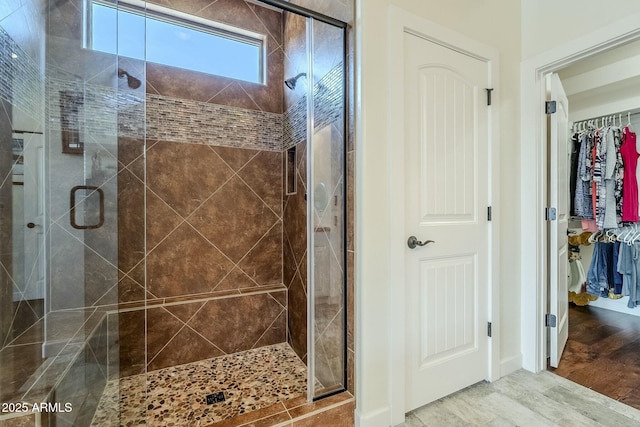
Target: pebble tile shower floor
[[176, 396]]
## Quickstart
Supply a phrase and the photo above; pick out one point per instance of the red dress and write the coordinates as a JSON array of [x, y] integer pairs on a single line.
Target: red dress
[[629, 180]]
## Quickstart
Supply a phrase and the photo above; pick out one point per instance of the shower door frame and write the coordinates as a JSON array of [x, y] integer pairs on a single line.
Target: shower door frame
[[317, 16]]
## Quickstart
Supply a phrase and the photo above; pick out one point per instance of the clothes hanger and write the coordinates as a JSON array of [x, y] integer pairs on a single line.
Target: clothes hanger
[[631, 229], [635, 236], [594, 237], [632, 237], [626, 236], [627, 232]]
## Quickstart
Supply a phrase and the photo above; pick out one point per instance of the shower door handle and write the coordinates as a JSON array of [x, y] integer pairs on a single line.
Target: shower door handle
[[72, 211]]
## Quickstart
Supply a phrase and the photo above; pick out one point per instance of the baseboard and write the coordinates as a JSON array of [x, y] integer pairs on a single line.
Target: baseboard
[[510, 365], [379, 418]]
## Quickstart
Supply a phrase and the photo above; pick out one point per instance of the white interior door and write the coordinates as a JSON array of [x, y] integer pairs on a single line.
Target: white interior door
[[446, 199], [34, 216], [558, 200]]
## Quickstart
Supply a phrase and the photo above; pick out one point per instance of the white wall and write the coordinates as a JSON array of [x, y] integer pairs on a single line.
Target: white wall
[[495, 23], [550, 23], [604, 84]]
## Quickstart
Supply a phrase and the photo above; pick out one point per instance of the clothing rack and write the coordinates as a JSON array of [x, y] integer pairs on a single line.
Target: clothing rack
[[602, 121]]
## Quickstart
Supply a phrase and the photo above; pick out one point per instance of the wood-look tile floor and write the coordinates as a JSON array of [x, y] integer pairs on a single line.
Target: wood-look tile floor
[[596, 384], [525, 399], [603, 353]]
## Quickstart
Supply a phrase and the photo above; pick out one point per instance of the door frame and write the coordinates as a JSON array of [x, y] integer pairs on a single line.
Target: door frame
[[400, 20], [533, 165]]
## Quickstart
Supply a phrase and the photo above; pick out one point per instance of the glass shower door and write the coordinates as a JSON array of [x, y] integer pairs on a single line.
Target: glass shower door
[[327, 218], [68, 170]]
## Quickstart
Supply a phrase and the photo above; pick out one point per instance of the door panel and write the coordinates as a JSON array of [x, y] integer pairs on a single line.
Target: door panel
[[447, 295], [559, 199], [446, 197], [447, 185]]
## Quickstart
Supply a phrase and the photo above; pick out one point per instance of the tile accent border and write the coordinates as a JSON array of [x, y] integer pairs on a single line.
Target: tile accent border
[[101, 110], [188, 121], [21, 79], [183, 120]]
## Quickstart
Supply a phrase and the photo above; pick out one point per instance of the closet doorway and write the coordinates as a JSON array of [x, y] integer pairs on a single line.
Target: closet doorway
[[602, 349]]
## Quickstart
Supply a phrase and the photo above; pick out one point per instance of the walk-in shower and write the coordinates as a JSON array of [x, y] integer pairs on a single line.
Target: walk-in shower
[[173, 218]]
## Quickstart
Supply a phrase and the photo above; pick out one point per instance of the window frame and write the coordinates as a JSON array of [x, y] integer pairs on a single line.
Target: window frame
[[175, 17]]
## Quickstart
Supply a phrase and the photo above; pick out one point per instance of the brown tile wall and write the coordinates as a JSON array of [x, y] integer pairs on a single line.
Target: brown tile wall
[[295, 257], [212, 212], [214, 224], [295, 206], [186, 332], [213, 230]]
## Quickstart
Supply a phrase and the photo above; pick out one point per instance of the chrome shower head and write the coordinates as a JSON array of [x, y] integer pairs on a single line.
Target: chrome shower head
[[291, 82]]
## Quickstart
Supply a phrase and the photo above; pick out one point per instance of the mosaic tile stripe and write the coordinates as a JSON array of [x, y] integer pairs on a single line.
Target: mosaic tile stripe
[[328, 108], [20, 80], [101, 110], [167, 119], [181, 120]]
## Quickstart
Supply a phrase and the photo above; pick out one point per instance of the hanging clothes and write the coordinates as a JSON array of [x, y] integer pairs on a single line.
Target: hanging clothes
[[613, 173], [630, 182], [629, 266], [576, 144], [602, 175], [606, 197], [604, 279], [582, 198]]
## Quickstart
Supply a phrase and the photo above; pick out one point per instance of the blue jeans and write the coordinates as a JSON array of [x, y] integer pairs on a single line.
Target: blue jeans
[[603, 273]]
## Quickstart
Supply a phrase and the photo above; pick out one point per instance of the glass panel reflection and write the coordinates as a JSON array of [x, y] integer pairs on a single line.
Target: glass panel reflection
[[328, 193]]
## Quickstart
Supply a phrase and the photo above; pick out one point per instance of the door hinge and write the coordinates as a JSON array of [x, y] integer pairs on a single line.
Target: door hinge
[[489, 95], [550, 214], [489, 329], [550, 107], [550, 320], [488, 213]]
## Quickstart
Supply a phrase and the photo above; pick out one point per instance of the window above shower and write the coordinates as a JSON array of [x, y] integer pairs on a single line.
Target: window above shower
[[142, 30]]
